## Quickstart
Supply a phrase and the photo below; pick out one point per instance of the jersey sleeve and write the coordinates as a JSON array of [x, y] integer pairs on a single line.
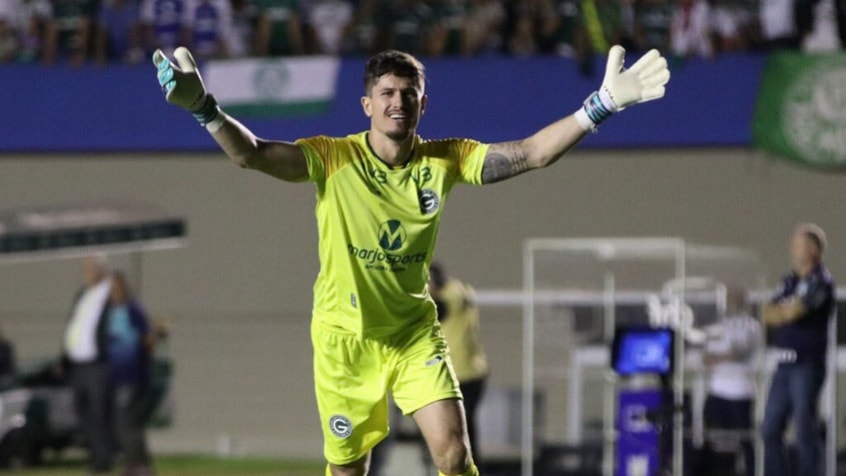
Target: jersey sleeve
[[471, 155], [317, 153]]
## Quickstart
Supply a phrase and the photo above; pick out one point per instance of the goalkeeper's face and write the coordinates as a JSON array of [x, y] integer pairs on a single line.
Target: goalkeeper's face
[[394, 105]]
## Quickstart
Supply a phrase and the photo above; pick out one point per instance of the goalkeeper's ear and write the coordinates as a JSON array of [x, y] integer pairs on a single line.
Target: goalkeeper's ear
[[185, 60]]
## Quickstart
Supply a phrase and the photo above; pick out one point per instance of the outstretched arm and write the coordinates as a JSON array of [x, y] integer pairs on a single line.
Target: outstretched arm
[[183, 86], [620, 88]]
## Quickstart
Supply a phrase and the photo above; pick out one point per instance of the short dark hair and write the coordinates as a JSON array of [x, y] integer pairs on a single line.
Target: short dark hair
[[398, 63]]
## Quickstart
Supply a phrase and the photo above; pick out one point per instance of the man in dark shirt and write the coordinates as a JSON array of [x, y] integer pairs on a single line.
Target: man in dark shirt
[[799, 314]]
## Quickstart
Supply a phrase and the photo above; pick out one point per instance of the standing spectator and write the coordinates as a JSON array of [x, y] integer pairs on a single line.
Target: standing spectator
[[327, 20], [31, 25], [799, 315], [485, 23], [652, 24], [118, 32], [244, 17], [778, 26], [161, 22], [569, 34], [207, 27], [409, 25], [9, 44], [362, 35], [447, 34], [730, 357], [603, 23], [689, 29], [732, 25], [131, 344], [8, 363], [278, 30], [85, 357], [68, 33]]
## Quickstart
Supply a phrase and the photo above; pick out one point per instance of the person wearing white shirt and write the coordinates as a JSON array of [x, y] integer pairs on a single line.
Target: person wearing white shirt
[[85, 354], [730, 355]]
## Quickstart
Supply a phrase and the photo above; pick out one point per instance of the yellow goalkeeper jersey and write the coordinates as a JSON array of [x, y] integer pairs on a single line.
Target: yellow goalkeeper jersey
[[378, 226]]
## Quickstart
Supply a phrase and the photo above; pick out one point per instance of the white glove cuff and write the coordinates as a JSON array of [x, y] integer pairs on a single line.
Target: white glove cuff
[[584, 121]]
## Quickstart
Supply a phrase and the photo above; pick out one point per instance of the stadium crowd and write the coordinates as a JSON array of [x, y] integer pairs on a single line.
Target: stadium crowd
[[103, 31]]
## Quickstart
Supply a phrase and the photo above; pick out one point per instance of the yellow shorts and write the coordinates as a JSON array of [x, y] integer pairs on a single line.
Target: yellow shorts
[[352, 377]]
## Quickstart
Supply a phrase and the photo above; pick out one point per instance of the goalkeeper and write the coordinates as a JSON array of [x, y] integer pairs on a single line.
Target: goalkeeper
[[380, 195]]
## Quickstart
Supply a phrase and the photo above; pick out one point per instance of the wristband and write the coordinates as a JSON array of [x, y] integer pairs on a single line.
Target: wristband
[[208, 112], [216, 123], [596, 108]]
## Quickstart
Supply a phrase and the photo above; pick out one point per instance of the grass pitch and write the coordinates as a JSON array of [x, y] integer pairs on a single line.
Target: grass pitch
[[192, 465]]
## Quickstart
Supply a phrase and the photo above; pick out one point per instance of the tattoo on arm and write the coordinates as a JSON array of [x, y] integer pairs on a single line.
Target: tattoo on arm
[[504, 160]]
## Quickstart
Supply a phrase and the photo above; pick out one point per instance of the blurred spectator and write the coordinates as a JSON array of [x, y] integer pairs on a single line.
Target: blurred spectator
[[603, 22], [69, 31], [652, 25], [778, 25], [569, 35], [278, 30], [447, 34], [408, 26], [484, 29], [730, 356], [207, 27], [9, 44], [689, 29], [244, 17], [326, 20], [799, 314], [521, 42], [8, 364], [31, 25], [118, 32], [362, 35], [131, 343], [161, 22], [732, 24], [85, 356], [459, 319]]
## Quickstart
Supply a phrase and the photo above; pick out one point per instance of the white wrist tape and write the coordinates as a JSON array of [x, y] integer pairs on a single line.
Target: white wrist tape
[[216, 123]]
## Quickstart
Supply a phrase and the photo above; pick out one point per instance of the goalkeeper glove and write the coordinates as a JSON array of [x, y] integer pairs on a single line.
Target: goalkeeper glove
[[622, 87], [183, 86]]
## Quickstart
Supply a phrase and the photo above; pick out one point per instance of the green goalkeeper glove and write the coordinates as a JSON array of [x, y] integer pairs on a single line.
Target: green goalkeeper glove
[[622, 87], [183, 85]]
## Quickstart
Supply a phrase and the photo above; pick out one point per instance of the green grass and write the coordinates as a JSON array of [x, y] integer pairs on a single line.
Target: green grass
[[192, 465]]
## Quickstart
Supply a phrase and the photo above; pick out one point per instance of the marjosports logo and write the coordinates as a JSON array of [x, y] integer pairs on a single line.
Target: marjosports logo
[[429, 201], [340, 426], [392, 235]]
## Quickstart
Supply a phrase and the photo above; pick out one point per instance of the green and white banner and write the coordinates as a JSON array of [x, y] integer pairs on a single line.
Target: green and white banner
[[273, 87], [801, 109]]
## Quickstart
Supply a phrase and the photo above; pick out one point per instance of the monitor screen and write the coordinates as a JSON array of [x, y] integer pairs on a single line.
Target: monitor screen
[[642, 350]]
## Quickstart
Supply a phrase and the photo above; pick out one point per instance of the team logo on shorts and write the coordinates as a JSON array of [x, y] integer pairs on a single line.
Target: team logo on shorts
[[429, 201], [340, 426]]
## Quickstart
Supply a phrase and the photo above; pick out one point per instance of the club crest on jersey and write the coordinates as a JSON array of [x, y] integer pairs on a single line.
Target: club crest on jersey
[[340, 426], [429, 201], [392, 235]]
